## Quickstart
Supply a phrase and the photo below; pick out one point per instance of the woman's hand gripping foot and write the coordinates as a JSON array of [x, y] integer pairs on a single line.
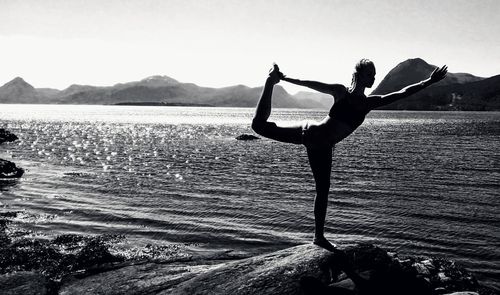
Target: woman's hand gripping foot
[[275, 75]]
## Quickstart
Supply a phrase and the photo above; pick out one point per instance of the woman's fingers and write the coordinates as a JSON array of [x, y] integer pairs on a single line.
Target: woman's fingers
[[444, 70], [439, 73]]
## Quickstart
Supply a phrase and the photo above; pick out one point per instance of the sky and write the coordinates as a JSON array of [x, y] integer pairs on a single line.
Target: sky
[[219, 43]]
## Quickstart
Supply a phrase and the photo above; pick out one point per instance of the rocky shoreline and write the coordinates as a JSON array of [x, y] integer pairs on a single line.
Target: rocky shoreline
[[9, 169], [72, 264]]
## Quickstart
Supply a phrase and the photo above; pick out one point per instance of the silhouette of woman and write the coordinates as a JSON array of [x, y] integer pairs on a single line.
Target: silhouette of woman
[[346, 115]]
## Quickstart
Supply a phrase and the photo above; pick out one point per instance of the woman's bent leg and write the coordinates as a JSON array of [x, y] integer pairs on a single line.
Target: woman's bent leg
[[262, 126], [320, 160], [263, 110]]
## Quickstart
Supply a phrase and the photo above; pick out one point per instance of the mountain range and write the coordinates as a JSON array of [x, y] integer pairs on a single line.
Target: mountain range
[[458, 91], [154, 90]]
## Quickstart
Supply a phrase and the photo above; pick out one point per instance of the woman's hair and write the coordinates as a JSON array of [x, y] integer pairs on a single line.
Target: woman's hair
[[361, 66]]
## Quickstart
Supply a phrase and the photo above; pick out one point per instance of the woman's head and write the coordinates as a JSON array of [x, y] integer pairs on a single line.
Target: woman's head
[[364, 73]]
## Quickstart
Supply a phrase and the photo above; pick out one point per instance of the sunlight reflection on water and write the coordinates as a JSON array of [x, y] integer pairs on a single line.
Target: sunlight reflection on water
[[416, 182]]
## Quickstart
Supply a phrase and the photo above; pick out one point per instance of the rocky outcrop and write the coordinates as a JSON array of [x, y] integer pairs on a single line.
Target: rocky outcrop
[[275, 273], [246, 137], [75, 264], [23, 282], [10, 170], [7, 168], [135, 278], [6, 136], [304, 269]]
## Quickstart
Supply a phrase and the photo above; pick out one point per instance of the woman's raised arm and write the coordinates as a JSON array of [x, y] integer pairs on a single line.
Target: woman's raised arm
[[332, 89], [376, 101], [318, 86]]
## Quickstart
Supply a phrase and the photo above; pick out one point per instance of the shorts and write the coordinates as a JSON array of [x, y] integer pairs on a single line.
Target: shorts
[[315, 137]]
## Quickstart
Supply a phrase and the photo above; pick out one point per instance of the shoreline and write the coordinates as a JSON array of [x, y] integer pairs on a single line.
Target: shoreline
[[68, 262]]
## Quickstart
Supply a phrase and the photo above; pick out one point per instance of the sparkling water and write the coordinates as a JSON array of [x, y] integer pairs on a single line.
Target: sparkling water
[[419, 183]]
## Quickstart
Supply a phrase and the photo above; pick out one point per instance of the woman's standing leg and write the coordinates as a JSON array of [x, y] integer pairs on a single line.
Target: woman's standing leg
[[260, 123], [320, 160]]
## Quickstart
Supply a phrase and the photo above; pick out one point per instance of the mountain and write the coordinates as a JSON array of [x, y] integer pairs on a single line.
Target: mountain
[[159, 90], [152, 81], [325, 100], [458, 91], [75, 88], [18, 91], [483, 95], [415, 70], [47, 92]]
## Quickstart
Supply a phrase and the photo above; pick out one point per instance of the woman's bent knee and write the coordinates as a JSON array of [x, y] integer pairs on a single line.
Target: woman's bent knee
[[260, 126]]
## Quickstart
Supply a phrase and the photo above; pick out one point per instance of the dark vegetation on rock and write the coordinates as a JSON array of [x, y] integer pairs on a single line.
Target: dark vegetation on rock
[[50, 259]]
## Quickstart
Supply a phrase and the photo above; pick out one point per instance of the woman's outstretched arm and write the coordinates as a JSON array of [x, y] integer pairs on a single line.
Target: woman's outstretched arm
[[332, 89], [376, 101]]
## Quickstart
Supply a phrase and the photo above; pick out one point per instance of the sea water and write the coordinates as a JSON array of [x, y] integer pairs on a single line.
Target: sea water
[[418, 183]]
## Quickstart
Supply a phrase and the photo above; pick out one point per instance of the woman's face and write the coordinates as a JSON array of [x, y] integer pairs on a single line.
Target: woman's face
[[368, 76]]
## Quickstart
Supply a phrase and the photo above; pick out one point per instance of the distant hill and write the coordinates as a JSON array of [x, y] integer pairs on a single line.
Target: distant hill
[[415, 70], [325, 100], [18, 91], [158, 90], [483, 95], [458, 91]]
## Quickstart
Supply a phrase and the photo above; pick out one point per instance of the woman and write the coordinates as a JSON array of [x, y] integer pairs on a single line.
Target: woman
[[346, 115]]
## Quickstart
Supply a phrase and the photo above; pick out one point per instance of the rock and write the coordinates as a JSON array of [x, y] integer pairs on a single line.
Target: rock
[[443, 278], [9, 170], [23, 283], [444, 275], [274, 273], [247, 137], [304, 269], [6, 136], [143, 278]]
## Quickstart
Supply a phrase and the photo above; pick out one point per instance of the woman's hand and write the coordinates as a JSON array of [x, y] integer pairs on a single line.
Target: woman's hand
[[438, 74], [276, 68], [281, 75]]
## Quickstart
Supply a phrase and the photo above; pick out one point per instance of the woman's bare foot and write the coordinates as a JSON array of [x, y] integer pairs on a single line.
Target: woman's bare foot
[[274, 74], [324, 243]]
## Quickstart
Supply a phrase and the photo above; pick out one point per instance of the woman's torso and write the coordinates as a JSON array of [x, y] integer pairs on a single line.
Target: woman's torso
[[346, 115]]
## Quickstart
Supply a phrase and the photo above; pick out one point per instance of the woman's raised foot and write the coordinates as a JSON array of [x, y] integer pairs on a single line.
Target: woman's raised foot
[[274, 74]]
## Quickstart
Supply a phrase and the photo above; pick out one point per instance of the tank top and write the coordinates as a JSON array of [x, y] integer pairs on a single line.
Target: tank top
[[348, 112]]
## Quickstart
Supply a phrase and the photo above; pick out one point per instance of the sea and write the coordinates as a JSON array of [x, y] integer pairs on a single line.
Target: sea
[[415, 183]]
